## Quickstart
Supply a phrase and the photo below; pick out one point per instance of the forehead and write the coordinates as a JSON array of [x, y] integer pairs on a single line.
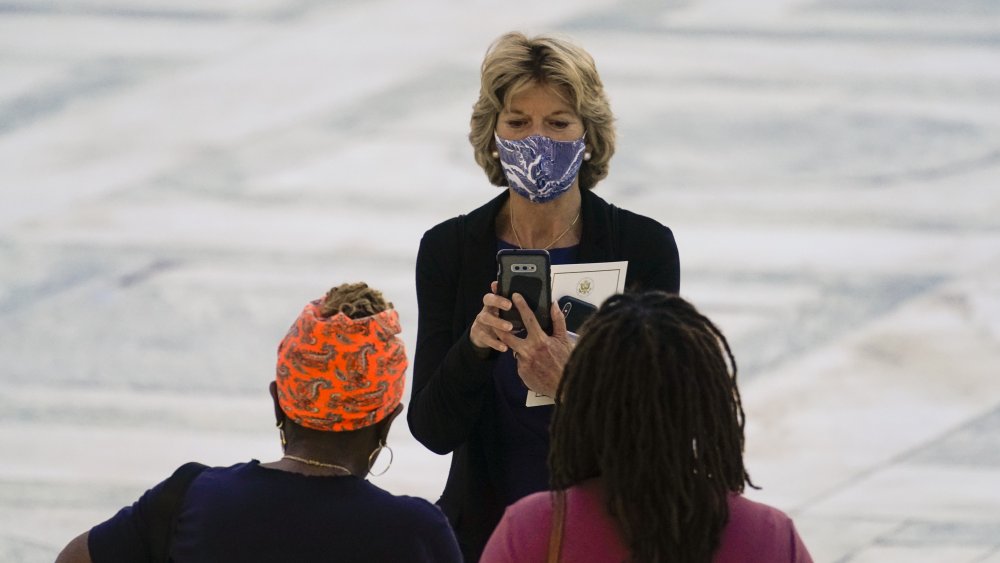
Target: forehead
[[531, 97]]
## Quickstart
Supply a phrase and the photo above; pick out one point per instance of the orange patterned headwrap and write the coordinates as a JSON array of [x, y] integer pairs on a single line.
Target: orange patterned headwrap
[[339, 373]]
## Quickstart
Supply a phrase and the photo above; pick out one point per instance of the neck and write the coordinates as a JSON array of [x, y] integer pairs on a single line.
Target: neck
[[541, 225], [325, 468], [324, 458]]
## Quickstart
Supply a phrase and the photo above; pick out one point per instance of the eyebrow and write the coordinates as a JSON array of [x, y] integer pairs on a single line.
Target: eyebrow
[[559, 112]]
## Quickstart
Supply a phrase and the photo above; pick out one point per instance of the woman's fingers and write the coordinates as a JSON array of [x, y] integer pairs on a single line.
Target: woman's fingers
[[527, 317], [540, 357], [488, 323], [515, 343], [496, 302], [484, 340], [558, 321], [485, 329]]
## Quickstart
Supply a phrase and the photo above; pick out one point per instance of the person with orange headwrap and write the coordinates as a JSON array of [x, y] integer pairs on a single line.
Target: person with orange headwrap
[[340, 379]]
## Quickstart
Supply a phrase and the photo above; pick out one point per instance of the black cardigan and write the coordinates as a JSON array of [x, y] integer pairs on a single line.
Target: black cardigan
[[452, 406]]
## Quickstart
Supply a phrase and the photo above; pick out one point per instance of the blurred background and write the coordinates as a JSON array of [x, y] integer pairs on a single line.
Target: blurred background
[[178, 178]]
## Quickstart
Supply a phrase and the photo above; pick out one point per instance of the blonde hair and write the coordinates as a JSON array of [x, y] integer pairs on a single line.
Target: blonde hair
[[515, 62]]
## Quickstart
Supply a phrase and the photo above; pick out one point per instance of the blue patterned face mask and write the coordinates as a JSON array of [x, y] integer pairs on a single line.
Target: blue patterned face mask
[[539, 168]]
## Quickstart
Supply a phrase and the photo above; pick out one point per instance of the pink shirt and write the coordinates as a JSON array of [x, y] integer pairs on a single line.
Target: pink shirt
[[755, 532]]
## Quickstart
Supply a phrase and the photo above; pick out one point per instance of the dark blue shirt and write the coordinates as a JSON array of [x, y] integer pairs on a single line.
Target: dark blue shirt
[[249, 513], [524, 431]]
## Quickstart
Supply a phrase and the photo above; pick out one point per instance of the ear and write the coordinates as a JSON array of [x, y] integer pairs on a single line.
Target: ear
[[279, 415], [383, 426]]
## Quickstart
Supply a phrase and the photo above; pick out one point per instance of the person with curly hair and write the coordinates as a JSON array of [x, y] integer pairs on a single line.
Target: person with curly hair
[[646, 460], [339, 381]]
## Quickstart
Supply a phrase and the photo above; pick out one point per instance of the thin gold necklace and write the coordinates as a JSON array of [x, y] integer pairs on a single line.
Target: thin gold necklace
[[315, 463], [555, 240]]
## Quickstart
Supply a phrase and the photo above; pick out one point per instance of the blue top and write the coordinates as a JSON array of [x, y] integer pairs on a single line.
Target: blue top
[[250, 513], [523, 431]]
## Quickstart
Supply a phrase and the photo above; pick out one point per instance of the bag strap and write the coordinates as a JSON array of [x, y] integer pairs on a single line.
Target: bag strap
[[558, 524], [165, 508]]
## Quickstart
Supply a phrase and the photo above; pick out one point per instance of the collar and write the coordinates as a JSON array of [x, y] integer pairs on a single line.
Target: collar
[[594, 211]]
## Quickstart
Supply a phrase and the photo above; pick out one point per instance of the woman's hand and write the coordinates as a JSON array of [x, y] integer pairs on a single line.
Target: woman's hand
[[488, 326], [540, 357]]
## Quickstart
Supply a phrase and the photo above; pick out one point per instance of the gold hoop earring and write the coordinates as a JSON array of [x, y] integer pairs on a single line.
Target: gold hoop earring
[[281, 433], [374, 455]]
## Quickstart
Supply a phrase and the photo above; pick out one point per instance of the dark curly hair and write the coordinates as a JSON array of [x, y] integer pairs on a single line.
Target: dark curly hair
[[649, 403], [356, 300]]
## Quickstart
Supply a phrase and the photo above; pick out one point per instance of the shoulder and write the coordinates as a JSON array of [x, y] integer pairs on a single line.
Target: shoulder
[[420, 510], [651, 251], [413, 510], [523, 531], [416, 525], [582, 497], [244, 470], [744, 510], [423, 532], [440, 248], [529, 516], [630, 225], [445, 228], [535, 504], [755, 527], [128, 534], [641, 225]]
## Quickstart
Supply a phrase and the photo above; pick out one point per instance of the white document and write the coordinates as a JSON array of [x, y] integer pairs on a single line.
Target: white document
[[592, 283], [538, 400]]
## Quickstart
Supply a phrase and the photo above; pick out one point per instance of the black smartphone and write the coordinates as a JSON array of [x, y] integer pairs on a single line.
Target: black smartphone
[[527, 272], [576, 311]]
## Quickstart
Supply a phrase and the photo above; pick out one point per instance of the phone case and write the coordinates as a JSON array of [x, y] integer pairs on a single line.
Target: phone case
[[576, 311], [527, 272]]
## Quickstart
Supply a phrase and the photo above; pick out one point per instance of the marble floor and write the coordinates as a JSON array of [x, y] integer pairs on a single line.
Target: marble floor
[[178, 178]]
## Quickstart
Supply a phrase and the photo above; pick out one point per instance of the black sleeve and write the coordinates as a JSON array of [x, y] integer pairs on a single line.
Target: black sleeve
[[124, 536], [449, 380], [143, 531], [653, 261]]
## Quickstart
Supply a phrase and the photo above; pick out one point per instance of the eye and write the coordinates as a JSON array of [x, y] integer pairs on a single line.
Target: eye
[[516, 123], [559, 124]]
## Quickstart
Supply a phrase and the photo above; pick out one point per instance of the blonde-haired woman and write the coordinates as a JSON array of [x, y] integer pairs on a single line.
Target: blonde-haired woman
[[542, 129]]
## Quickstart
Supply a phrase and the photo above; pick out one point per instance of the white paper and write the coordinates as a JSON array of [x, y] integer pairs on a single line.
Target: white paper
[[592, 283], [538, 400]]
